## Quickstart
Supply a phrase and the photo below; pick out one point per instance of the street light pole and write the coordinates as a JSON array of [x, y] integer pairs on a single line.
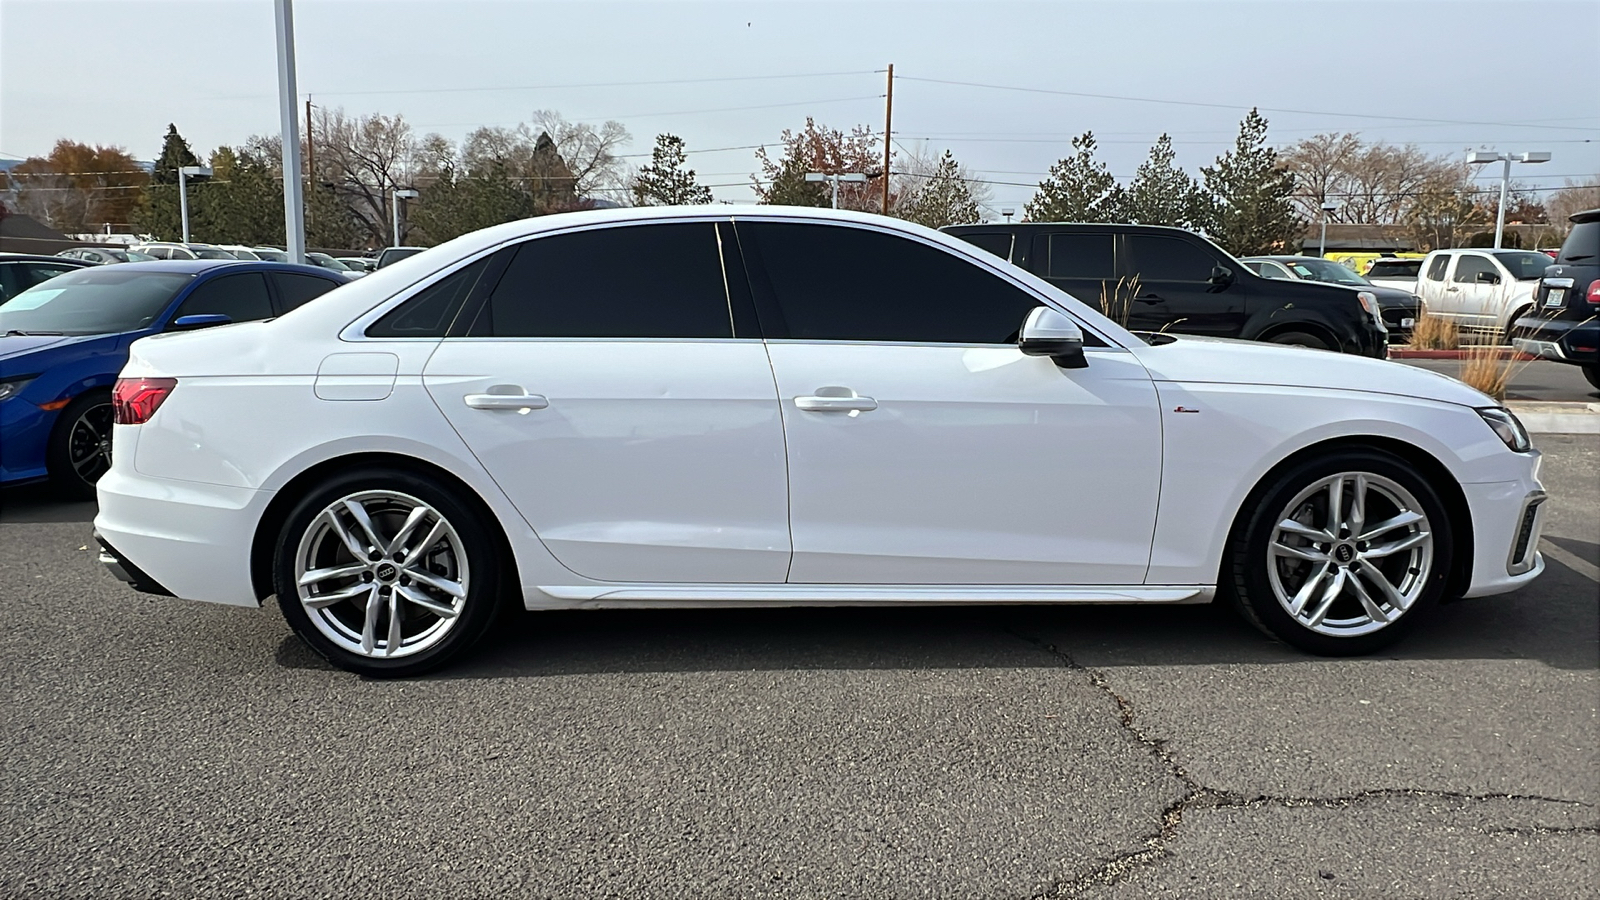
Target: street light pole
[[294, 223], [1485, 156], [183, 194], [398, 196], [849, 177], [1328, 208]]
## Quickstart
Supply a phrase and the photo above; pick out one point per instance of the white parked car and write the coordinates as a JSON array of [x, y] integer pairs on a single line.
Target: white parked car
[[1482, 291], [704, 406]]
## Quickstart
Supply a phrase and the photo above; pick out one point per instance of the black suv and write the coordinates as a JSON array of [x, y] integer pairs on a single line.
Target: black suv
[[1185, 284], [1562, 325]]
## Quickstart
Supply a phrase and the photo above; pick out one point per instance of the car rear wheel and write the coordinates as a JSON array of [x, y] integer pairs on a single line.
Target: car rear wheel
[[1343, 554], [386, 573], [80, 445], [1592, 373], [1298, 339]]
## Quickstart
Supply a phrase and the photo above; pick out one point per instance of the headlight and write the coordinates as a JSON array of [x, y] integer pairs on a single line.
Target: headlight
[[1506, 425], [1369, 302], [13, 386]]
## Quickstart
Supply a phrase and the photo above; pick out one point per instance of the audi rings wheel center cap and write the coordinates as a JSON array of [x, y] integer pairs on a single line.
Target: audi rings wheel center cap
[[386, 572], [1344, 554]]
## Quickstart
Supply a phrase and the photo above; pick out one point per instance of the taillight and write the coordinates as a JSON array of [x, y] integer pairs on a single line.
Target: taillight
[[135, 400], [1594, 292]]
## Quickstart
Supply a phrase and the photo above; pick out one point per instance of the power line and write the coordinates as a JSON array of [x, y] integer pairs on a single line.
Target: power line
[[1233, 106], [596, 84], [681, 112]]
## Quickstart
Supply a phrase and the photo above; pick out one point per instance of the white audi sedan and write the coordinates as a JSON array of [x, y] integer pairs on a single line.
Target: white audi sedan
[[716, 406]]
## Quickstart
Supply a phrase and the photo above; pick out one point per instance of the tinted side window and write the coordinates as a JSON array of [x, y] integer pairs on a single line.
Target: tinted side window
[[1160, 258], [997, 242], [639, 281], [430, 312], [850, 284], [1437, 267], [35, 273], [1468, 267], [1082, 256], [298, 290], [242, 298]]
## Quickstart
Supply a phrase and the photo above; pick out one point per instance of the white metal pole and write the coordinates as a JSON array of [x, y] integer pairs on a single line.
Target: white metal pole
[[183, 203], [835, 180], [394, 199], [1500, 220], [294, 223], [1322, 249]]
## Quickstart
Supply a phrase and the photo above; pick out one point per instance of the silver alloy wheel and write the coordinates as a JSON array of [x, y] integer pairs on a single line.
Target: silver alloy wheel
[[1350, 554], [382, 574], [89, 443]]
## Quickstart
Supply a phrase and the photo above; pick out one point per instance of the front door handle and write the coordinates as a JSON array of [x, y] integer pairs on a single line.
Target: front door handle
[[836, 399], [507, 396]]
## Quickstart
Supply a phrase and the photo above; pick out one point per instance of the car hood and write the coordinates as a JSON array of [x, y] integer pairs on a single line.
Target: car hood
[[17, 352], [1197, 360]]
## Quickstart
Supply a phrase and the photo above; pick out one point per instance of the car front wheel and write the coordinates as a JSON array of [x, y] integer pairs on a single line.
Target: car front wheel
[[387, 574], [1342, 554]]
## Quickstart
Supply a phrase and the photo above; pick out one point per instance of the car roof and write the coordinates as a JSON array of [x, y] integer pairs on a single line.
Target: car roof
[[38, 257], [1588, 215], [1120, 227], [196, 266]]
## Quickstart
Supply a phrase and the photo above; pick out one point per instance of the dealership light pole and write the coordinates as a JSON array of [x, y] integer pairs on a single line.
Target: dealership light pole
[[847, 177], [1487, 156], [1328, 209], [183, 193], [294, 223], [406, 194]]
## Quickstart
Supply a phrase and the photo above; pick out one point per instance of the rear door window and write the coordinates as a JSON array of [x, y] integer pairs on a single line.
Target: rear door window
[[295, 290], [1086, 256], [1161, 258], [242, 298], [431, 310], [1437, 267], [630, 281]]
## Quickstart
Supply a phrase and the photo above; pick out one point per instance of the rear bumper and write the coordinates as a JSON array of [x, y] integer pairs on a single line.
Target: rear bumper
[[179, 538], [1562, 340]]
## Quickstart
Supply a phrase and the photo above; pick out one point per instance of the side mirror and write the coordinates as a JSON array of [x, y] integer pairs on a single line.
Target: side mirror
[[190, 323], [1487, 278], [1221, 277], [1046, 332]]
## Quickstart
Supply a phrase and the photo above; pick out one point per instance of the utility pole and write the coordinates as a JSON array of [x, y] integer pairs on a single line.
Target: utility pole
[[888, 119]]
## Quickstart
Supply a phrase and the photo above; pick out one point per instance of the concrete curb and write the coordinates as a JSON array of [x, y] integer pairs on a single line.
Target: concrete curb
[[1499, 353], [1558, 418]]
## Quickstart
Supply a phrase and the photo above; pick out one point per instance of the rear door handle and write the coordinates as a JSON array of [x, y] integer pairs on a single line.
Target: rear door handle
[[507, 396], [1150, 298], [836, 399]]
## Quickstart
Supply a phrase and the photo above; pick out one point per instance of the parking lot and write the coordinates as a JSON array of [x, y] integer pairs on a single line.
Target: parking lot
[[155, 746]]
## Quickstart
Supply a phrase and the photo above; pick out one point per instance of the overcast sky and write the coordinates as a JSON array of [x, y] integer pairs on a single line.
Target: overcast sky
[[1444, 75]]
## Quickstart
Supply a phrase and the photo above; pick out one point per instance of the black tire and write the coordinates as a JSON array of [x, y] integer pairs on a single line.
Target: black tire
[[79, 452], [468, 555], [1592, 373], [1298, 339], [1256, 577]]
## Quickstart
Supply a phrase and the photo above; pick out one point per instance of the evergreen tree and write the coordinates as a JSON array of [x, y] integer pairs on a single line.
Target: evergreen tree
[[1078, 189], [1247, 204], [1161, 193], [664, 181], [942, 199], [175, 152]]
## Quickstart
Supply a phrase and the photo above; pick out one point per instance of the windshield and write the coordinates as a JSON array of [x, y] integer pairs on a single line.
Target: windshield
[[1524, 265], [1324, 270], [132, 256], [211, 253], [101, 300], [271, 255], [326, 261], [1582, 244]]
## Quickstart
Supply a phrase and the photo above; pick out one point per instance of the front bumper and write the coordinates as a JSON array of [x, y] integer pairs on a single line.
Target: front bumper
[[1507, 518]]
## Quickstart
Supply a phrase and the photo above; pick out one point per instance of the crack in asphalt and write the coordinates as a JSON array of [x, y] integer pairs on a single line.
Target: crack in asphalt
[[1154, 845]]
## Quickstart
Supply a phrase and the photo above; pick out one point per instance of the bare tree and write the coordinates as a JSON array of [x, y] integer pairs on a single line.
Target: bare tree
[[1371, 183], [590, 152], [1576, 196], [915, 167]]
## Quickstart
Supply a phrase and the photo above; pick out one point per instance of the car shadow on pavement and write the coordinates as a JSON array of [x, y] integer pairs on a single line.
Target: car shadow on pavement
[[40, 503], [1556, 621]]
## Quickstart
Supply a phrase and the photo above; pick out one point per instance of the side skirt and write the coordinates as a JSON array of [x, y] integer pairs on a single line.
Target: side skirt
[[737, 595]]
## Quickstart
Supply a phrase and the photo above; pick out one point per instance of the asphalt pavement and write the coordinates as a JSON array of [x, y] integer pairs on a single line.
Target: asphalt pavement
[[1531, 380], [154, 746]]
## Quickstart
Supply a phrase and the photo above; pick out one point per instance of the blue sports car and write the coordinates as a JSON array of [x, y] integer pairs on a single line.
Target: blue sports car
[[62, 343]]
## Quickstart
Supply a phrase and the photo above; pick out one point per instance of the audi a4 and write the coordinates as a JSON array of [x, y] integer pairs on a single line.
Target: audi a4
[[715, 406]]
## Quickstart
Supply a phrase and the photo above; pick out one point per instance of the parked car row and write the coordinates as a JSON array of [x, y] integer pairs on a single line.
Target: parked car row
[[1400, 308], [1563, 322], [351, 267]]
